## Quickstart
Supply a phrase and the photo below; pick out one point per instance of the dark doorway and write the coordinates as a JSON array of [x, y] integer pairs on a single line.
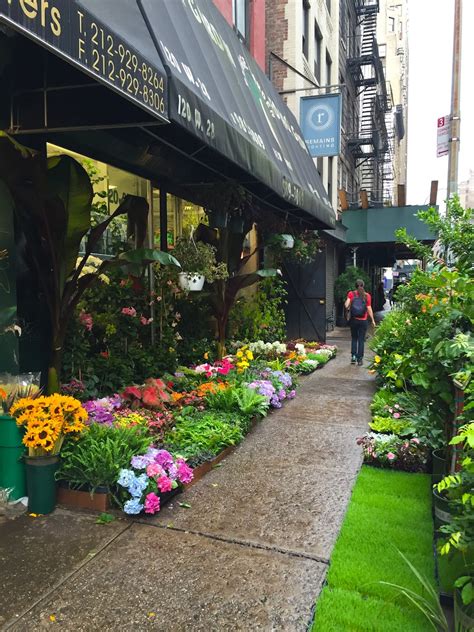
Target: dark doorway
[[306, 308]]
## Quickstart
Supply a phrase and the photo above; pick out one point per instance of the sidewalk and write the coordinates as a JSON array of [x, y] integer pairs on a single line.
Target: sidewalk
[[250, 553]]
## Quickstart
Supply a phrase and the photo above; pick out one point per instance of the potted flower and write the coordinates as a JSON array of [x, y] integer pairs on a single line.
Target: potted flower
[[198, 264], [46, 422]]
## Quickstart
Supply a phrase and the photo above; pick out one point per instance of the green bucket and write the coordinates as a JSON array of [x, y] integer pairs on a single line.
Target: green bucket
[[12, 467], [41, 483]]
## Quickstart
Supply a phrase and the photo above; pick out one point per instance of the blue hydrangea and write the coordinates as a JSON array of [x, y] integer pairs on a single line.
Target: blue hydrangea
[[138, 485], [133, 506], [126, 477]]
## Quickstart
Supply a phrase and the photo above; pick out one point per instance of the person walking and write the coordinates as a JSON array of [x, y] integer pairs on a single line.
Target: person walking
[[359, 303], [380, 302]]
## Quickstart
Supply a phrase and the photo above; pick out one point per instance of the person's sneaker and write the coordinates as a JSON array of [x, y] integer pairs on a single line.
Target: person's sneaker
[[353, 360], [360, 362]]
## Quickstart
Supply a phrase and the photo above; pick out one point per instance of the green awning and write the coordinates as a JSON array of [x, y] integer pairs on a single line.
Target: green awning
[[378, 225]]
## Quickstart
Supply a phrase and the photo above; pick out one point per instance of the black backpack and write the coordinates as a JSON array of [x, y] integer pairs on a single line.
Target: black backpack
[[358, 307]]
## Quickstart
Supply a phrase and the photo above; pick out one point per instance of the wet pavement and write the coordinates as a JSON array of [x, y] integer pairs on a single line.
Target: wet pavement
[[250, 553]]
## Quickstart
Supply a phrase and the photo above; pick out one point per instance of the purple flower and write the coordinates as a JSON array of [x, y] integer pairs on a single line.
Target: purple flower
[[140, 462], [185, 473], [291, 394], [281, 394], [164, 458], [101, 410], [173, 472]]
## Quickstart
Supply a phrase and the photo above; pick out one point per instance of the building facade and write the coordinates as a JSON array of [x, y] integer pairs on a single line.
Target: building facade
[[392, 40], [466, 191]]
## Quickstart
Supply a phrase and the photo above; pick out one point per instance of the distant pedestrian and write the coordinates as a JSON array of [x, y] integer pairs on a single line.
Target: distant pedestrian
[[359, 303], [390, 296], [380, 297]]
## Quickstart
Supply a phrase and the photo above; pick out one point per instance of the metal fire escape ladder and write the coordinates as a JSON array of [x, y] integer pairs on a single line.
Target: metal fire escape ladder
[[370, 142]]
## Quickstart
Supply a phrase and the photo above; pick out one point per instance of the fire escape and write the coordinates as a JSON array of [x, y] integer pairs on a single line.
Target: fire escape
[[369, 143]]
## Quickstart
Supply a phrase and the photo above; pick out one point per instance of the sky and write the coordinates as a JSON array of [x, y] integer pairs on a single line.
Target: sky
[[429, 93]]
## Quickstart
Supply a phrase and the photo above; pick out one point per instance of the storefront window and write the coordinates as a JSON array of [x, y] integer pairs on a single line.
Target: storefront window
[[183, 218]]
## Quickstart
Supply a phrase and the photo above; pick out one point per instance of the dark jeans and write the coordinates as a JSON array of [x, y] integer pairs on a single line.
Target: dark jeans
[[358, 333]]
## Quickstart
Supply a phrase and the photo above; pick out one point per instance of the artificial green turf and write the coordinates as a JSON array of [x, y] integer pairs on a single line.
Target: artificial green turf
[[388, 511]]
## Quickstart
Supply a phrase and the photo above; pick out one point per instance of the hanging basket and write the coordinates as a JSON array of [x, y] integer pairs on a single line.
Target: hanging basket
[[287, 241], [191, 281]]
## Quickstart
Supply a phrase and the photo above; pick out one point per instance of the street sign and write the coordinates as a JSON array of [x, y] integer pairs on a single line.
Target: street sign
[[444, 127]]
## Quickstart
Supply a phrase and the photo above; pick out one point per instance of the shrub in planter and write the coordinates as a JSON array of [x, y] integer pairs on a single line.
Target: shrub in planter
[[391, 451], [97, 457]]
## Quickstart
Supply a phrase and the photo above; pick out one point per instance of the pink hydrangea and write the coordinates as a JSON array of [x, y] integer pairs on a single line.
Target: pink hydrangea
[[129, 311], [145, 321], [185, 473], [164, 484], [396, 415], [154, 470], [164, 458], [391, 456], [415, 440], [152, 503]]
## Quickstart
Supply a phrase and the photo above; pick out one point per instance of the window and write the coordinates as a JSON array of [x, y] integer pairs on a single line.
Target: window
[[240, 15], [318, 42], [391, 24], [328, 69], [305, 38], [382, 50]]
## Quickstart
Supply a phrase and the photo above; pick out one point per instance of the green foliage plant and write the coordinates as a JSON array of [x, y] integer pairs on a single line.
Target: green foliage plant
[[97, 457], [261, 316], [239, 398], [210, 431], [197, 258], [389, 425], [345, 282]]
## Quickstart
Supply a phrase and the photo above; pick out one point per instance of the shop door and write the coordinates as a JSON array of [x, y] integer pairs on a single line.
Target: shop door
[[306, 308]]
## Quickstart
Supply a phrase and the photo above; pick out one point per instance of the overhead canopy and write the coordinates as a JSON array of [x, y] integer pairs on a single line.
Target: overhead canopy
[[107, 39], [222, 98]]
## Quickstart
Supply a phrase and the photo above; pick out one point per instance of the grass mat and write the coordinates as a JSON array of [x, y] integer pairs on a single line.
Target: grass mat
[[388, 511]]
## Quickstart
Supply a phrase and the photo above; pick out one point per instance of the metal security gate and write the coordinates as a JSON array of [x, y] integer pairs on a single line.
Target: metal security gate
[[306, 308]]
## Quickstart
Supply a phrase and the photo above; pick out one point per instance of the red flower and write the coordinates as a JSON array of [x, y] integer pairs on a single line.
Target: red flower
[[132, 392], [105, 354]]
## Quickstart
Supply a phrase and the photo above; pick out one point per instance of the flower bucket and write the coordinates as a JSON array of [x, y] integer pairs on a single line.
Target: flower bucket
[[191, 281], [439, 466], [41, 483], [12, 467], [287, 241]]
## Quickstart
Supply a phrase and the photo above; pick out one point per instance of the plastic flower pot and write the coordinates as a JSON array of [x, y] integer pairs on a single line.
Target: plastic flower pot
[[463, 614], [191, 281], [12, 467], [287, 241], [41, 483], [439, 465], [441, 510], [218, 219]]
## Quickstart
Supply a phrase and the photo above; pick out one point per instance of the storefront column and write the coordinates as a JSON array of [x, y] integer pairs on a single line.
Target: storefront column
[[163, 220]]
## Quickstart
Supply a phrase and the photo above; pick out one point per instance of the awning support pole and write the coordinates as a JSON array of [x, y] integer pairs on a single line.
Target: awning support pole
[[163, 220]]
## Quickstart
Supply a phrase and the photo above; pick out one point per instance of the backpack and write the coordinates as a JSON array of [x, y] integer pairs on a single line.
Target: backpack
[[358, 307]]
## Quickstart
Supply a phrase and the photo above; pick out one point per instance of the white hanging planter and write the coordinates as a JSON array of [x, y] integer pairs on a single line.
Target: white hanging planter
[[191, 281], [287, 241]]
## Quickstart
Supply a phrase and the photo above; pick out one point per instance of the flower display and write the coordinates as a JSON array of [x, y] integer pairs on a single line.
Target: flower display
[[244, 356], [151, 474], [47, 420], [221, 367], [102, 410], [392, 451]]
